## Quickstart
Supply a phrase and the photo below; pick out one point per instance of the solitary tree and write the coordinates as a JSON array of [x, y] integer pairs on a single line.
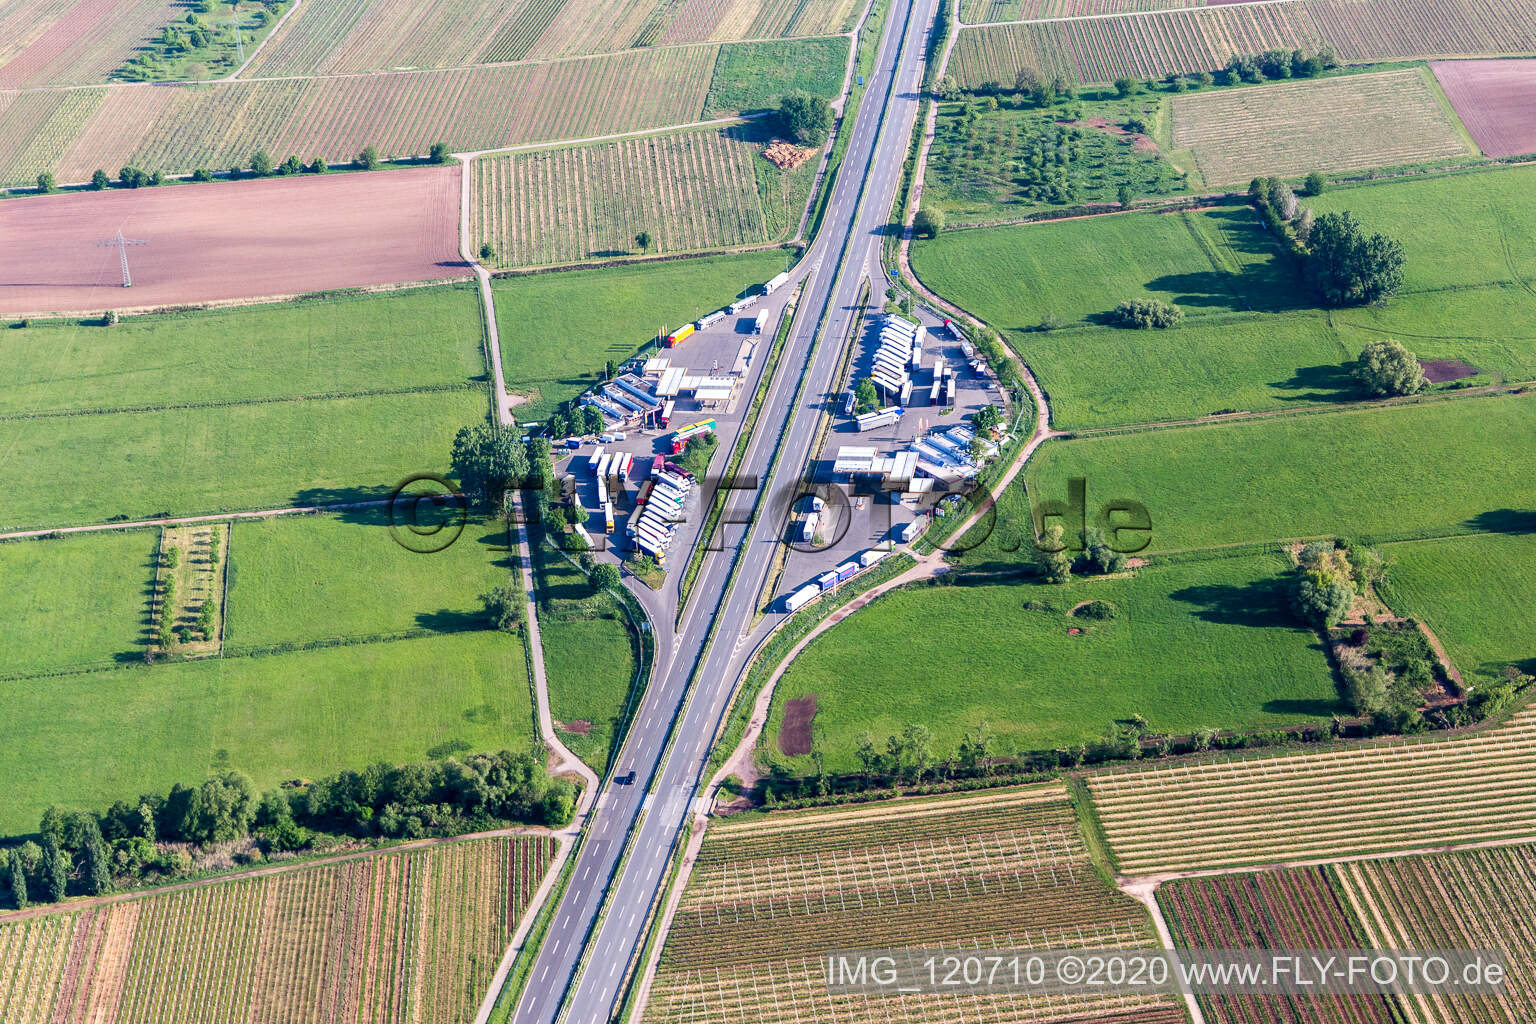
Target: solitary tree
[[643, 240], [438, 154], [605, 576], [99, 180], [1315, 183], [987, 419], [1125, 86], [1124, 195], [1387, 368], [928, 222], [1349, 267], [806, 119], [487, 253], [47, 183], [865, 396], [487, 461], [504, 607], [368, 159]]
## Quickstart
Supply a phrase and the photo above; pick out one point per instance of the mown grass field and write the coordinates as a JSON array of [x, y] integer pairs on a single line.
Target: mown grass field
[[557, 330], [1431, 468], [755, 76], [1330, 125], [296, 715], [75, 601], [1475, 592], [226, 407], [87, 469], [689, 191], [342, 345], [1469, 239], [344, 576], [589, 658], [1194, 644], [1211, 261]]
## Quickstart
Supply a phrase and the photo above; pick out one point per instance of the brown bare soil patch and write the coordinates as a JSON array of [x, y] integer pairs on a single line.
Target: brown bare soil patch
[[785, 156], [580, 727], [1139, 142], [226, 241], [1495, 99], [1438, 371], [795, 734]]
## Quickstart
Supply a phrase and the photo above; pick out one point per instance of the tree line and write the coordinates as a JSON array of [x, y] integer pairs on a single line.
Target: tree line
[[81, 852]]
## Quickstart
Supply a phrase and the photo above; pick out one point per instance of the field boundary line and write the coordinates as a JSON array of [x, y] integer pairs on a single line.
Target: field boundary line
[[274, 30], [1145, 893], [213, 517]]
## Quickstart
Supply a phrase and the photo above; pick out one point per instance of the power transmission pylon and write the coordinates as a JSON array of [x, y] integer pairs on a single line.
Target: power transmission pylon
[[121, 244]]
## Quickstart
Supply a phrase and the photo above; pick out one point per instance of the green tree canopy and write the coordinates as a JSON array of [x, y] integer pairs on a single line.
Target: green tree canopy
[[805, 118], [220, 809], [605, 576], [1387, 368], [1349, 267], [487, 461]]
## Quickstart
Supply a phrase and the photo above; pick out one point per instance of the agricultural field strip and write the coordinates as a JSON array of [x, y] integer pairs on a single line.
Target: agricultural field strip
[[1461, 900], [1206, 806], [1174, 8], [813, 821]]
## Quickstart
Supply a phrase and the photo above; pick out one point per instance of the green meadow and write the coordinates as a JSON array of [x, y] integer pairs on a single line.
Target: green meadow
[[1193, 644]]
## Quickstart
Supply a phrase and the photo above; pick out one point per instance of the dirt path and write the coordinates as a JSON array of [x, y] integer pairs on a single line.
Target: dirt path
[[1145, 893]]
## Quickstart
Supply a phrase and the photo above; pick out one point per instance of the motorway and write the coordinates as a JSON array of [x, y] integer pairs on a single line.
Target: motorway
[[850, 240]]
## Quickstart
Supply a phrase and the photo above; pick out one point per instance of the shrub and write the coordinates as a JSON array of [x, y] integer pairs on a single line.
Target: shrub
[[1142, 314], [1386, 369], [1315, 184], [1359, 636], [1099, 611]]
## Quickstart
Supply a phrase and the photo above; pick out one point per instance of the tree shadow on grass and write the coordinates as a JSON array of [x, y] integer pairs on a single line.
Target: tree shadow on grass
[[1517, 522], [1261, 604], [1313, 708], [1326, 383], [448, 620]]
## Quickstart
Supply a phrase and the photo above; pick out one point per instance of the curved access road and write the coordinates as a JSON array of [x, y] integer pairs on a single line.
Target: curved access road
[[599, 921]]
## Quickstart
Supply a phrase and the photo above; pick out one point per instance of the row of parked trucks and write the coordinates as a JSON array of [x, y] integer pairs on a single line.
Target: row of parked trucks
[[736, 308], [833, 578], [659, 508]]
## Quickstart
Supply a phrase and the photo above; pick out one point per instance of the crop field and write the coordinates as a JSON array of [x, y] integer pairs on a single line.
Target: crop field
[[689, 191], [74, 42], [1323, 805], [608, 313], [1477, 899], [1211, 261], [412, 936], [1156, 44], [1335, 124], [350, 36], [178, 129], [1496, 100], [1192, 644], [979, 12], [1274, 910], [1432, 469], [769, 895], [396, 226], [1475, 592]]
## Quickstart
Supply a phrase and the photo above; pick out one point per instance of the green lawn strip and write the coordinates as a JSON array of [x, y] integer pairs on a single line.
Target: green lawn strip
[[754, 75], [87, 469], [1424, 469], [309, 578], [340, 345], [107, 736], [1209, 261], [1196, 644], [1475, 592], [558, 329], [589, 657], [75, 601]]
